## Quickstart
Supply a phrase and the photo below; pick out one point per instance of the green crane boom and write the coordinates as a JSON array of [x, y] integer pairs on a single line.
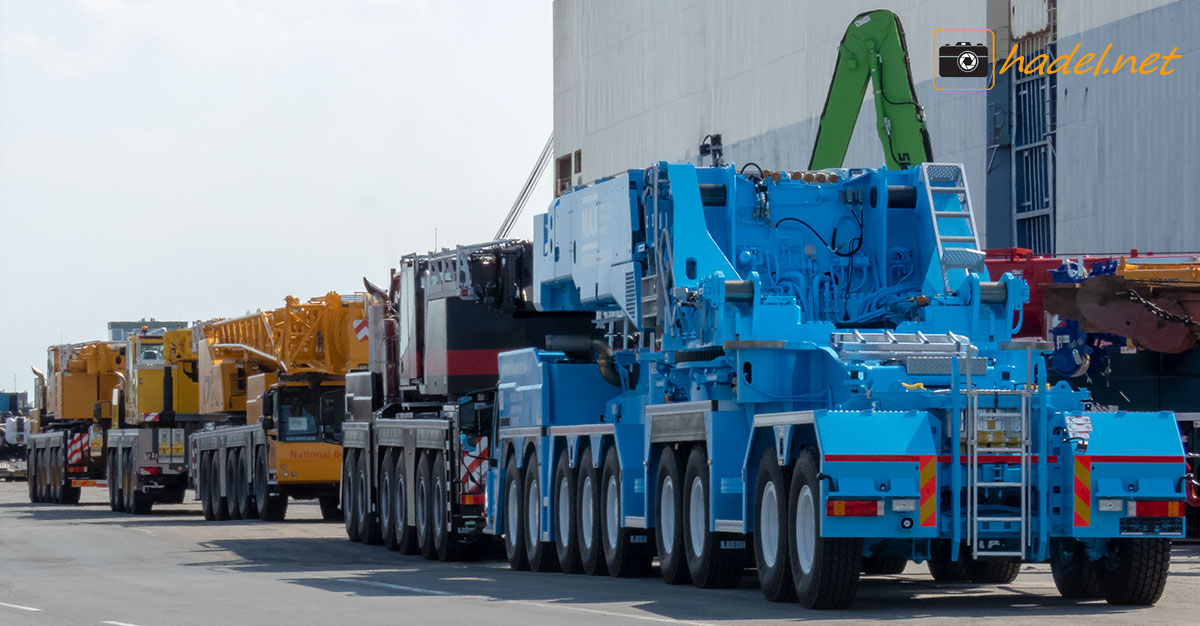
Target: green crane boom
[[873, 50]]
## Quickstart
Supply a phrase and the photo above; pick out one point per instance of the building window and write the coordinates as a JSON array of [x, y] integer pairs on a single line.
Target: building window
[[578, 161], [562, 175]]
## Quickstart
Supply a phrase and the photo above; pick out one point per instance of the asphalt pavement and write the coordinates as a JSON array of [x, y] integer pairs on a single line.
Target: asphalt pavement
[[85, 565]]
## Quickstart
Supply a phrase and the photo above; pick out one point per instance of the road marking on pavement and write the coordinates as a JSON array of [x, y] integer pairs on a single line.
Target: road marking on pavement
[[582, 609], [544, 605], [119, 623], [19, 607], [372, 583]]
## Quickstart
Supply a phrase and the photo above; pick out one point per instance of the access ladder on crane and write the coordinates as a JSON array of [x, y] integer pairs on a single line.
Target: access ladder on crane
[[953, 220], [998, 435]]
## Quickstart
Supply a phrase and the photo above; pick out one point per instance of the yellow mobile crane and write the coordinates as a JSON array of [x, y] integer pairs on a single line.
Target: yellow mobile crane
[[72, 414], [284, 373], [158, 402]]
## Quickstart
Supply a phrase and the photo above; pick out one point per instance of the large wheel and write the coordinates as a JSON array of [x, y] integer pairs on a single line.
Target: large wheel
[[204, 487], [770, 531], [591, 554], [220, 502], [445, 540], [42, 482], [424, 494], [406, 533], [709, 565], [31, 475], [138, 504], [668, 520], [942, 568], [233, 485], [539, 554], [349, 496], [1135, 572], [993, 571], [57, 471], [368, 520], [514, 516], [68, 493], [245, 502], [625, 551], [387, 505], [1074, 573], [884, 565], [564, 508], [110, 465], [269, 507], [824, 570]]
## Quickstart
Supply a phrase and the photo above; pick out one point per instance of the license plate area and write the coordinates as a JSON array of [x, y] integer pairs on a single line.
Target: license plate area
[[1151, 526]]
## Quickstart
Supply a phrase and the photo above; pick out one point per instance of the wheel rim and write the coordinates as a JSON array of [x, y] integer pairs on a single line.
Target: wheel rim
[[611, 497], [666, 504], [513, 508], [586, 503], [533, 513], [696, 518], [806, 529], [768, 515], [564, 512], [385, 501]]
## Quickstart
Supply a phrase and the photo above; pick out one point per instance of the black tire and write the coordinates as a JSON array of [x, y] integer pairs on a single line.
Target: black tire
[[406, 533], [884, 565], [1135, 573], [43, 491], [274, 506], [445, 540], [942, 568], [710, 566], [349, 474], [828, 577], [564, 511], [540, 554], [233, 486], [368, 520], [770, 531], [1073, 572], [668, 520], [587, 491], [129, 480], [261, 483], [245, 504], [204, 489], [626, 552], [31, 476], [110, 465], [330, 511], [993, 571], [57, 472], [514, 516], [387, 505], [424, 495], [220, 502]]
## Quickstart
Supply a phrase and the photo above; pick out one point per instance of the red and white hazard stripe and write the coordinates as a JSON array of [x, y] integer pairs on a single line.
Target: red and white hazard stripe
[[149, 417], [473, 466], [360, 329], [75, 447]]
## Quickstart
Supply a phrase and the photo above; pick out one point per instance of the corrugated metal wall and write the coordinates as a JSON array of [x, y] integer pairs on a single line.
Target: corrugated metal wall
[[637, 82], [1127, 144]]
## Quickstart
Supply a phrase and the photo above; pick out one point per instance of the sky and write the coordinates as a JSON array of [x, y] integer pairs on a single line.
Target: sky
[[190, 160]]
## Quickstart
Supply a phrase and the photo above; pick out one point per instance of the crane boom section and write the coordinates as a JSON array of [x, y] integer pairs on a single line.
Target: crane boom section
[[873, 51]]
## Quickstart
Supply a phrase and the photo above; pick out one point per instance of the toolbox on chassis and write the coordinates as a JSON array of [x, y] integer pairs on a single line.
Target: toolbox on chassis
[[814, 374], [417, 440]]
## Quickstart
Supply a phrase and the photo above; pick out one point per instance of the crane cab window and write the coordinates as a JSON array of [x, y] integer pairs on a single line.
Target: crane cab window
[[150, 352]]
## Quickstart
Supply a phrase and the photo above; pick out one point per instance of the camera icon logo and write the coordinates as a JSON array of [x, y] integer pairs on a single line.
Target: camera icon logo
[[959, 57], [963, 60]]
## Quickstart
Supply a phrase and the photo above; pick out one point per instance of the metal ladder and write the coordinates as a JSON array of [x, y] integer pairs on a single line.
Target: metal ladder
[[953, 220], [1011, 426]]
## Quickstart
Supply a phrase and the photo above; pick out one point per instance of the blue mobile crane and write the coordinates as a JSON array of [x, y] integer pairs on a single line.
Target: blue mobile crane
[[809, 372]]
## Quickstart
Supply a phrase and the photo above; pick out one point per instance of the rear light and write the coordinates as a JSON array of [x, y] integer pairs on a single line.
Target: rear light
[[854, 508], [150, 471], [76, 469], [471, 499], [1157, 508]]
